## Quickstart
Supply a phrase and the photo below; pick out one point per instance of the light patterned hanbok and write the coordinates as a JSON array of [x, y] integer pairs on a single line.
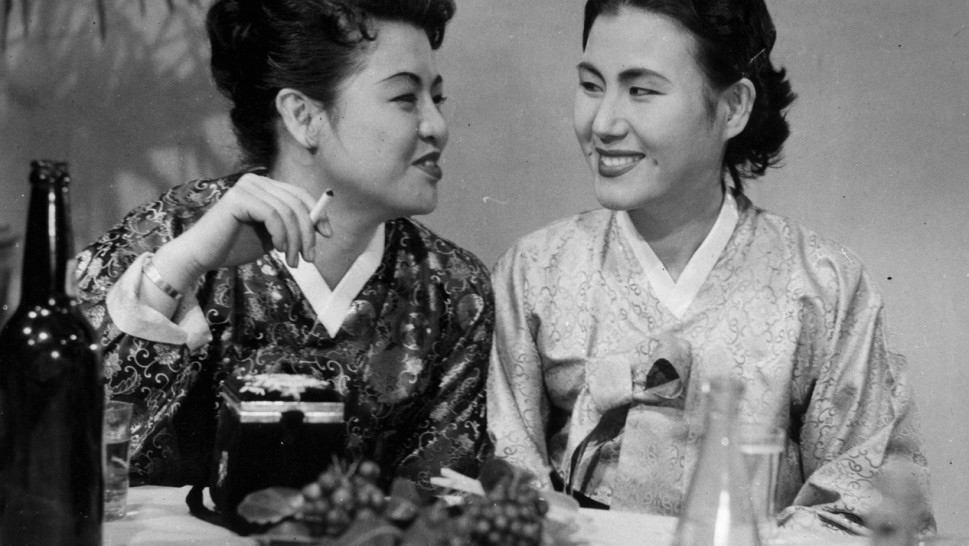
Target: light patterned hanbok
[[792, 315]]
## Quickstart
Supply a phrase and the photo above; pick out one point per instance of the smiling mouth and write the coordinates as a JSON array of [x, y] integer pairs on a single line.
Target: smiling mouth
[[611, 164], [429, 164]]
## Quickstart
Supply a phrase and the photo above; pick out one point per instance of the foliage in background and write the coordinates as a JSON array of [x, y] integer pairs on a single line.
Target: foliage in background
[[133, 110], [25, 6]]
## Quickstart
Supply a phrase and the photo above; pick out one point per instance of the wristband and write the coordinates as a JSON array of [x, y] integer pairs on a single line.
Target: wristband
[[148, 269]]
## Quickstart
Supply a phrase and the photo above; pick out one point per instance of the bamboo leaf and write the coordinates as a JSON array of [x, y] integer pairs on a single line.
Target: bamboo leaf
[[25, 15], [102, 18], [5, 24]]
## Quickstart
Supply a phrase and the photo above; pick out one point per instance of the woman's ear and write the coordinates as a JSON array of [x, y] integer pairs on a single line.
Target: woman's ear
[[299, 114], [739, 101]]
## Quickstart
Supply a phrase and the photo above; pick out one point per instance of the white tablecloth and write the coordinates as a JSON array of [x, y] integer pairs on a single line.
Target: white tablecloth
[[159, 516]]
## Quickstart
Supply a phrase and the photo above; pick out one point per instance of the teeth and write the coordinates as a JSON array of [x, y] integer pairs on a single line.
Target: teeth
[[620, 161]]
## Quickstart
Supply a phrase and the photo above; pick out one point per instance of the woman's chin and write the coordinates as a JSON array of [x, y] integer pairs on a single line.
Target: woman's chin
[[421, 207], [614, 200]]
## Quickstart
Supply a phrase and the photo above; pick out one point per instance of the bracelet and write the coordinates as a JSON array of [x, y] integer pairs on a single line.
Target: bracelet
[[152, 274]]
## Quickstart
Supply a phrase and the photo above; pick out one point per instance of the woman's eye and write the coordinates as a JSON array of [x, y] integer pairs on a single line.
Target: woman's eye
[[409, 99], [439, 101], [642, 91], [589, 87]]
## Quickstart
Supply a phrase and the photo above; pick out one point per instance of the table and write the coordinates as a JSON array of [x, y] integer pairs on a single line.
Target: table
[[159, 516]]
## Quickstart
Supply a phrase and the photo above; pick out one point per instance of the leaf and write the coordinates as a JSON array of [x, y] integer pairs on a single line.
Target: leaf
[[288, 533], [270, 505], [435, 525], [369, 531], [406, 490], [25, 15], [5, 24], [102, 18]]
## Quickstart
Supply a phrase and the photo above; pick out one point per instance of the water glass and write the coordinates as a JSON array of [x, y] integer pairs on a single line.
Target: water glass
[[8, 242], [117, 437], [762, 447]]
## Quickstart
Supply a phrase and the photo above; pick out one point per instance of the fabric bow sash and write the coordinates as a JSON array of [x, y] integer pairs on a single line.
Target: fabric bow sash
[[640, 395]]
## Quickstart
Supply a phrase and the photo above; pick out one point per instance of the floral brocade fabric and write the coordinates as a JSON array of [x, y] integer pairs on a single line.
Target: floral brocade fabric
[[410, 358], [792, 315]]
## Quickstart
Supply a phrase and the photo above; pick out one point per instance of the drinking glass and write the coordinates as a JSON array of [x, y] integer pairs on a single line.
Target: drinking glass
[[762, 446], [8, 243], [117, 437]]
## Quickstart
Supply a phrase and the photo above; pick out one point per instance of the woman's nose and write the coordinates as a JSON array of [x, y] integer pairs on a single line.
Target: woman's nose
[[433, 126], [609, 124]]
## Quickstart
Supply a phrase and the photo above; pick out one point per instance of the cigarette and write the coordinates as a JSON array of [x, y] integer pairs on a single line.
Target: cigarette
[[319, 209]]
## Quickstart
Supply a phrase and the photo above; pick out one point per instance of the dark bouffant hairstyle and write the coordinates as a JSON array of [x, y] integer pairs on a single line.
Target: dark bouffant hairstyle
[[262, 46], [734, 40]]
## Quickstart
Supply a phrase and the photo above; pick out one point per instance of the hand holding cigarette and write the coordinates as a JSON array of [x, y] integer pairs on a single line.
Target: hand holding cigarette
[[319, 217]]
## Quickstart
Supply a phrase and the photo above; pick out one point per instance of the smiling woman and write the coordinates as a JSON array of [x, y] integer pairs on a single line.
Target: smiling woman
[[245, 273], [609, 322]]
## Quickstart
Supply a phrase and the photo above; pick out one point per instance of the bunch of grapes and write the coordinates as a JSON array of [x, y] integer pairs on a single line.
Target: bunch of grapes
[[509, 514], [338, 496]]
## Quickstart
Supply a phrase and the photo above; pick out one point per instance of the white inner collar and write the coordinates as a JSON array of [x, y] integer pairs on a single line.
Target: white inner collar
[[331, 305], [677, 296]]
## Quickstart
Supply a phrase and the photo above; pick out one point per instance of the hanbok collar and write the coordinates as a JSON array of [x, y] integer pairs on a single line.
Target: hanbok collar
[[677, 296], [331, 305]]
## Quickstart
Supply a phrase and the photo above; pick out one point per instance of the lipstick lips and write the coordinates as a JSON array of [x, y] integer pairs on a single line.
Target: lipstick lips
[[428, 164], [613, 163]]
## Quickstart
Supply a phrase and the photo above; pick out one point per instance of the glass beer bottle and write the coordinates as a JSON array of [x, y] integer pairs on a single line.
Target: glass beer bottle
[[51, 387]]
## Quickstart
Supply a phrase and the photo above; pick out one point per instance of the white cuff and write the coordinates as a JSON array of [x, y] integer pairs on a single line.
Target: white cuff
[[136, 318]]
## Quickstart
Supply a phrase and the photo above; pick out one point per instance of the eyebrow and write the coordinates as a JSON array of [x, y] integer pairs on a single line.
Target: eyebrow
[[414, 78], [627, 75]]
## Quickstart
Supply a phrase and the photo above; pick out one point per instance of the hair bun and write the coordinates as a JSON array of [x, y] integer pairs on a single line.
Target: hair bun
[[237, 50]]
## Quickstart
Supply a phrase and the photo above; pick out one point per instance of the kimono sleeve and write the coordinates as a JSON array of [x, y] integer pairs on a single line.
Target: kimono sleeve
[[154, 376], [518, 406], [100, 267], [452, 432], [860, 415]]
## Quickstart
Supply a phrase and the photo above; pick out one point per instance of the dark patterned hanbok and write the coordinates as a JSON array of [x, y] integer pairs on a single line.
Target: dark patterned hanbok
[[405, 337]]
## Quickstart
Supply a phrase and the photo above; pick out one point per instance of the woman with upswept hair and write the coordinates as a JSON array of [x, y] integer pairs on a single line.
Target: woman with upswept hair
[[234, 275]]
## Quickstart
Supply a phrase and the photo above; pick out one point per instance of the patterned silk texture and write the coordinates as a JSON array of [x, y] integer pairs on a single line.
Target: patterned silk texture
[[410, 357], [792, 315]]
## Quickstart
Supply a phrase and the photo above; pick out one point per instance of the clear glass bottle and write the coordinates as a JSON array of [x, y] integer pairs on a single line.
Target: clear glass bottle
[[51, 387], [717, 510]]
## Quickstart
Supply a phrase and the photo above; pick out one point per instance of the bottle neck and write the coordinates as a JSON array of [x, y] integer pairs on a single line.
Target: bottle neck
[[48, 244], [723, 408]]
